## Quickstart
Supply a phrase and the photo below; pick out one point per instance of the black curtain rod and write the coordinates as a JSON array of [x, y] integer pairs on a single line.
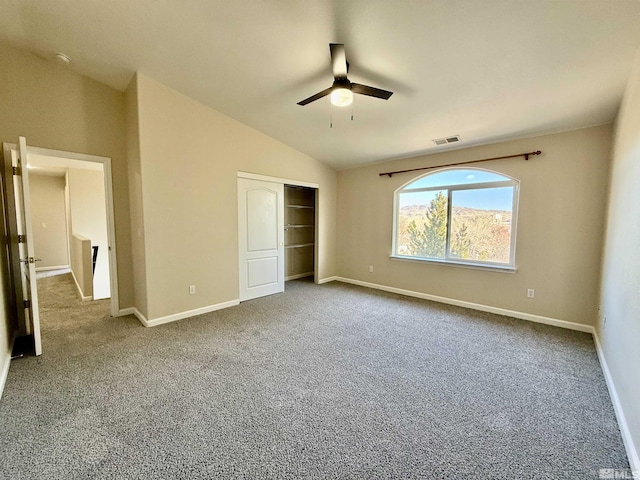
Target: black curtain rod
[[525, 155]]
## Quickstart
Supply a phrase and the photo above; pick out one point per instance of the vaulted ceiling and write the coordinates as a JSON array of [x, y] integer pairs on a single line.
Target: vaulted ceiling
[[485, 70]]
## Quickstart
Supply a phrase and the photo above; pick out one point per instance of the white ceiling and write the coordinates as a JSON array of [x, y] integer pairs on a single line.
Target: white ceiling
[[485, 70]]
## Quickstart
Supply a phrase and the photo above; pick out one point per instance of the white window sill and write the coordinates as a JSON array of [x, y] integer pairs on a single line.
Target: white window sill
[[451, 263]]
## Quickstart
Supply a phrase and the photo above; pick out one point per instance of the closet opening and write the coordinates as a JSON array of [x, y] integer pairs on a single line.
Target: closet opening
[[300, 231]]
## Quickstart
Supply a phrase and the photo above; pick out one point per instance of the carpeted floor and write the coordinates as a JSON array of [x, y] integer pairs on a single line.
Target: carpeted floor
[[323, 381]]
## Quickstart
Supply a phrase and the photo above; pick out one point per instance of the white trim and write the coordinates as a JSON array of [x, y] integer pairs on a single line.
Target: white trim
[[123, 312], [84, 299], [108, 190], [513, 182], [111, 232], [267, 178], [181, 315], [632, 452], [474, 306], [5, 372], [327, 280], [50, 152], [489, 267], [140, 317], [298, 275], [45, 269]]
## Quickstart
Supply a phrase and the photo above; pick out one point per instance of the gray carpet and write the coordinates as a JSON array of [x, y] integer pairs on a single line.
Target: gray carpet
[[330, 381]]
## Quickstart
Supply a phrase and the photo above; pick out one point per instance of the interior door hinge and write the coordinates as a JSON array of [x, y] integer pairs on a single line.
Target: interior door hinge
[[22, 239], [16, 170], [27, 304]]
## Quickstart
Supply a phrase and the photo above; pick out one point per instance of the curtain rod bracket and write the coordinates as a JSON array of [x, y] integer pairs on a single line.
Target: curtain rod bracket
[[526, 155]]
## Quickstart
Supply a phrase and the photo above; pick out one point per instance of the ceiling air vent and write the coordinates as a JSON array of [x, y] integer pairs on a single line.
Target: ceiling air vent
[[444, 141]]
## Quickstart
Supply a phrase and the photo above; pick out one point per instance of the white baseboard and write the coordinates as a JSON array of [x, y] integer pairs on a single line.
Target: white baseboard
[[474, 306], [179, 316], [123, 312], [4, 372], [632, 452], [297, 276], [327, 280], [45, 269], [84, 299]]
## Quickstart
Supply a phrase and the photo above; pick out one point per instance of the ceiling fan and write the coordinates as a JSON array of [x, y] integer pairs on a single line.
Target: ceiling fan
[[342, 89]]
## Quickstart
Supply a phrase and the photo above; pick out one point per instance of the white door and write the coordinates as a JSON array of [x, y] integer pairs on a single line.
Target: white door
[[261, 238], [21, 232]]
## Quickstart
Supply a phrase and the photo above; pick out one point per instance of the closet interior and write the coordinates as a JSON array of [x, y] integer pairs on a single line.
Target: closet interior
[[299, 231]]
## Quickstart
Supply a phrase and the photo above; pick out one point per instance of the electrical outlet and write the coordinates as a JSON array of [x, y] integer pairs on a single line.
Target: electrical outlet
[[370, 268], [531, 293], [192, 289]]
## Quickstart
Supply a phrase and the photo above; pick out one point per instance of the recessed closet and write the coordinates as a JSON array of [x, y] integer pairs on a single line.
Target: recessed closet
[[299, 231]]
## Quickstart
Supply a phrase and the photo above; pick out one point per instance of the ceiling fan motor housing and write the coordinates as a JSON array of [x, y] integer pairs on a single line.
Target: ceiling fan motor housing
[[341, 83]]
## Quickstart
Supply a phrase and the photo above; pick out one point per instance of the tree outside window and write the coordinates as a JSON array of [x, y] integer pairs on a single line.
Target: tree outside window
[[459, 216]]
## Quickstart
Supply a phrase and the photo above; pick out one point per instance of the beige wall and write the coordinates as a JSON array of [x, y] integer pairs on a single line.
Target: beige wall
[[53, 107], [190, 156], [135, 196], [81, 264], [49, 220], [559, 231], [620, 297], [89, 219]]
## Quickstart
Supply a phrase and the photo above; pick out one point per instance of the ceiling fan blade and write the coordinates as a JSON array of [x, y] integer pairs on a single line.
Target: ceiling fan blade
[[315, 97], [371, 91], [338, 61]]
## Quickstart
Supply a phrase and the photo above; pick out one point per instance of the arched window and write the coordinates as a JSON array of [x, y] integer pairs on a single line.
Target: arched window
[[457, 215]]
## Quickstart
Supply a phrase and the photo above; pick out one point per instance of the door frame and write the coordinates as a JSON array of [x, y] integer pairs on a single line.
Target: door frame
[[297, 183], [108, 190]]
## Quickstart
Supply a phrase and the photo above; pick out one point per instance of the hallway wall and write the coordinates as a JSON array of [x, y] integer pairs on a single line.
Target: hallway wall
[[49, 220], [89, 219]]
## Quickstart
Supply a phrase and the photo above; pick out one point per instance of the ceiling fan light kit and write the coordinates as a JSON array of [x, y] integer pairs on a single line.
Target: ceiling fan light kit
[[342, 89], [341, 97]]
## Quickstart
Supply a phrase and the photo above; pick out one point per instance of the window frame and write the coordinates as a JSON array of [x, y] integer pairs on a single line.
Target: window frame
[[449, 260]]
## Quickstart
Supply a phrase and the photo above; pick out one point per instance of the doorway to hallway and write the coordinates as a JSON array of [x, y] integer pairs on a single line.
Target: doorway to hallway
[[78, 233]]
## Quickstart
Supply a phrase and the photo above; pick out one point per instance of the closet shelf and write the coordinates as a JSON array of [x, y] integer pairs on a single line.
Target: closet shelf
[[300, 245], [299, 206], [298, 226]]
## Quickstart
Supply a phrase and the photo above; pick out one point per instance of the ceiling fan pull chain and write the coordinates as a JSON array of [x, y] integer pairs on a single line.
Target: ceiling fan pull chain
[[354, 101], [330, 115]]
